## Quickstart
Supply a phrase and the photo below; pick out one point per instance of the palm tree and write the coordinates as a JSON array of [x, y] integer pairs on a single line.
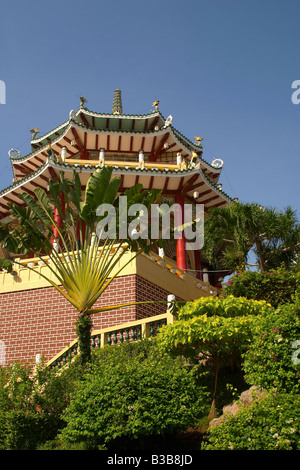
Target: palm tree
[[233, 232], [83, 264]]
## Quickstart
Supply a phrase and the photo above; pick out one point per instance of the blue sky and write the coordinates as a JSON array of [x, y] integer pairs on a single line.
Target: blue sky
[[222, 68]]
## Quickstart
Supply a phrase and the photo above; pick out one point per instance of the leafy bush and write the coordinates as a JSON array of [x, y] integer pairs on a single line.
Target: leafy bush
[[275, 287], [213, 326], [229, 306], [268, 362], [270, 423], [25, 430], [132, 392], [16, 387], [31, 405]]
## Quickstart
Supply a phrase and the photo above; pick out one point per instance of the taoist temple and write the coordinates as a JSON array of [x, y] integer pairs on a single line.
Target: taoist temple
[[34, 318]]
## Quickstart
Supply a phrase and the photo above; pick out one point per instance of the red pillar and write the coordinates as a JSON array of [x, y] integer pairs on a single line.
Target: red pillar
[[58, 220], [181, 254]]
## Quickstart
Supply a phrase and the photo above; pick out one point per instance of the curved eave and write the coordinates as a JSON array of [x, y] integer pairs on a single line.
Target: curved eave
[[125, 122], [110, 122], [136, 127], [140, 123], [143, 123], [54, 133], [170, 181], [77, 138], [128, 122], [39, 178]]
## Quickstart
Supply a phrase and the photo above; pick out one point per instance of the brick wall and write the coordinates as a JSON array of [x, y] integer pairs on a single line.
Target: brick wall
[[145, 290], [42, 321]]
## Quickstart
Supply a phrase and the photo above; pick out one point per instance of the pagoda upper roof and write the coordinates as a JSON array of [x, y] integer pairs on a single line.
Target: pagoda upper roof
[[87, 131], [122, 137]]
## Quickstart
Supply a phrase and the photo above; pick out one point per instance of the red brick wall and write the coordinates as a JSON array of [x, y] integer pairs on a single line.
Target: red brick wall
[[42, 321], [145, 290]]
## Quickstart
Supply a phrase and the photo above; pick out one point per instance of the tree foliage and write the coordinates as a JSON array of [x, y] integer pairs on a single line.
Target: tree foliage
[[235, 231], [214, 331], [213, 326]]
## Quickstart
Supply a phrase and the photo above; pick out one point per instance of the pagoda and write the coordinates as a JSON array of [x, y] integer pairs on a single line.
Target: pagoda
[[145, 149]]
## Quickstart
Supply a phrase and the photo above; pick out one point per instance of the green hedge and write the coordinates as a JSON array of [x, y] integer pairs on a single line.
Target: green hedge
[[275, 286]]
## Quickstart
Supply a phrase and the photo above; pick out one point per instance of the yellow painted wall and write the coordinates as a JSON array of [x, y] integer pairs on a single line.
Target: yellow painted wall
[[161, 272]]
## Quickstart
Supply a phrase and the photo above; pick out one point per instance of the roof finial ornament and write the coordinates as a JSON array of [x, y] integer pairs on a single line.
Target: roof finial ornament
[[198, 140], [169, 121], [155, 105], [34, 133], [117, 102], [82, 101], [194, 158], [217, 163], [49, 151], [72, 115], [14, 153]]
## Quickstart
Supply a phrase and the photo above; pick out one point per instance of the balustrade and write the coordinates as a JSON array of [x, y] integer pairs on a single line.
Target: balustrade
[[130, 332]]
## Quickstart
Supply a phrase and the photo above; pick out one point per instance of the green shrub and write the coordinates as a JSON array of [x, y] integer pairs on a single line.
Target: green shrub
[[275, 286], [229, 306], [133, 392], [31, 405], [25, 430], [270, 423], [213, 326], [269, 361], [16, 387]]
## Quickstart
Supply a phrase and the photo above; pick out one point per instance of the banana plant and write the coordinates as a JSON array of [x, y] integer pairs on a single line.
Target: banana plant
[[83, 262]]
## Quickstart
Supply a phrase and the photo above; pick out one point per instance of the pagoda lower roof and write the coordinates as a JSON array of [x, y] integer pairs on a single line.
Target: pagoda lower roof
[[169, 178]]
